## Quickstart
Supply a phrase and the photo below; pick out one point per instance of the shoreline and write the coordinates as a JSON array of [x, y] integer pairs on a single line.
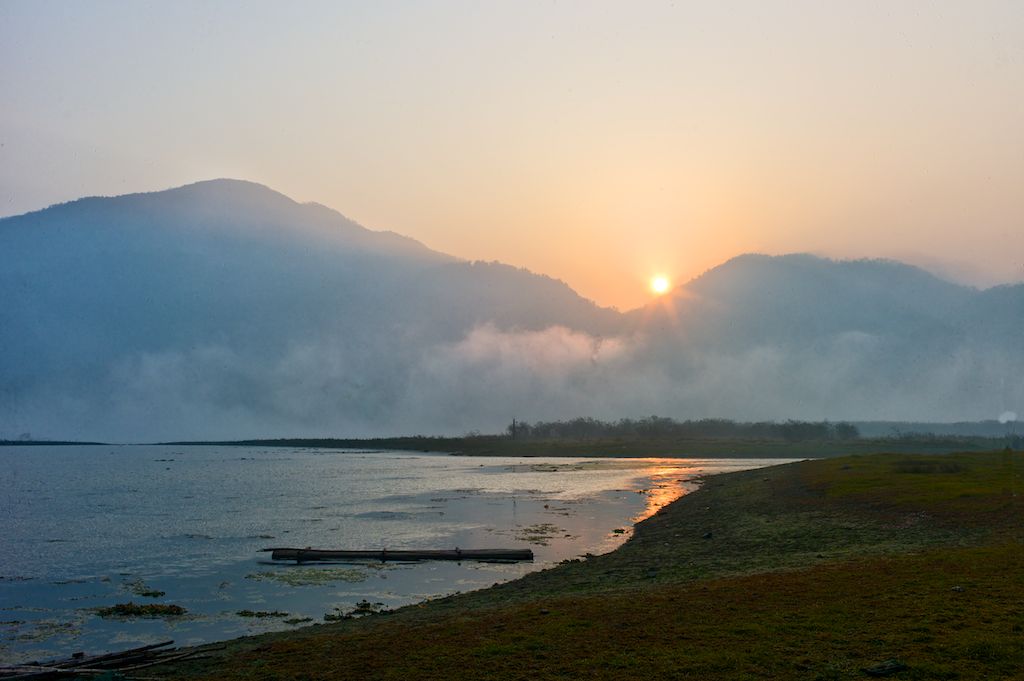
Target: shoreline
[[771, 533], [632, 447], [514, 590], [604, 446], [634, 490]]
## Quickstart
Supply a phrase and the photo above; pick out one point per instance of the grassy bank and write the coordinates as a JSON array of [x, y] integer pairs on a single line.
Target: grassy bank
[[815, 570]]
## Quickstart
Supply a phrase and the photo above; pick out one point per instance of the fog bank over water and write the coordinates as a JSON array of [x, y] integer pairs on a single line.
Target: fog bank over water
[[226, 310]]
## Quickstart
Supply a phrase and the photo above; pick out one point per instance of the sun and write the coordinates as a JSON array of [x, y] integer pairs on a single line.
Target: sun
[[660, 284]]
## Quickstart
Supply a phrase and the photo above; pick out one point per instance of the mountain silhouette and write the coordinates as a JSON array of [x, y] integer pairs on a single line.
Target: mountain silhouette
[[225, 309]]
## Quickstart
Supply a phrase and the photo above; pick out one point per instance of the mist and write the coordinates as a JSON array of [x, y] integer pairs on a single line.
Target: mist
[[225, 310]]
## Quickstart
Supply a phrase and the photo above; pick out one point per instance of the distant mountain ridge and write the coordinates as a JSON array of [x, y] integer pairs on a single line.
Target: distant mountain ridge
[[229, 204], [797, 298], [223, 309]]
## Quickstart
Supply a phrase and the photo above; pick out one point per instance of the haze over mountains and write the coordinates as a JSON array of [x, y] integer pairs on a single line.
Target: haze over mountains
[[223, 309]]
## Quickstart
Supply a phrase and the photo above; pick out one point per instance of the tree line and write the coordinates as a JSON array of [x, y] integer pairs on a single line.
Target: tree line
[[662, 427]]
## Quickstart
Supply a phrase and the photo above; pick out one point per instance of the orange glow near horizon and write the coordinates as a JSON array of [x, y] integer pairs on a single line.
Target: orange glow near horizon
[[669, 483], [802, 130]]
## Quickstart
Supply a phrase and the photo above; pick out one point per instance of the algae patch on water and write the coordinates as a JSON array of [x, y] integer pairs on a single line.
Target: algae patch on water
[[140, 588], [540, 534], [262, 613], [363, 608], [149, 610], [40, 630], [311, 576]]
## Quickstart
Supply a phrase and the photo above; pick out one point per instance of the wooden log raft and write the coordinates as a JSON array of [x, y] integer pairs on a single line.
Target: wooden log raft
[[304, 555], [79, 665]]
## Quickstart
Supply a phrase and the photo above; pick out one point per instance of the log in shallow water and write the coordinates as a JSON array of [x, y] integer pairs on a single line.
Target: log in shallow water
[[304, 555]]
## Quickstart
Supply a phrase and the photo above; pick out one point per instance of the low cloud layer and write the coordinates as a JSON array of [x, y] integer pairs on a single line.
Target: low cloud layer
[[112, 331], [483, 380]]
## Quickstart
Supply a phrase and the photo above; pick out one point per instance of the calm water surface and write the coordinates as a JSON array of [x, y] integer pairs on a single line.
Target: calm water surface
[[91, 526]]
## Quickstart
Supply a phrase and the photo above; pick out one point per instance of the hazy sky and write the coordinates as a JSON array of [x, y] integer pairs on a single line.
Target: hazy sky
[[598, 143]]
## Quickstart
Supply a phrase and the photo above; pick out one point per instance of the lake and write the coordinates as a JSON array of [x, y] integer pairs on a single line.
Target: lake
[[86, 527]]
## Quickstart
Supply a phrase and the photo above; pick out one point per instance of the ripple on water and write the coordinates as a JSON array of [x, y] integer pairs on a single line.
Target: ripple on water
[[194, 536]]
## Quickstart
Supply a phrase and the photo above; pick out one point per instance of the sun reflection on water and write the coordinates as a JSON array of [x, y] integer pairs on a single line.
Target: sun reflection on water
[[669, 481]]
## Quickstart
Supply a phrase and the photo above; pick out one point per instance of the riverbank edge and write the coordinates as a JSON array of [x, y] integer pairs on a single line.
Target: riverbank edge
[[825, 533]]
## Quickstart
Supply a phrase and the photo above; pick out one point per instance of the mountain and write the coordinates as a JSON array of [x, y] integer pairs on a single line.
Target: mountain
[[224, 301], [792, 297], [223, 309], [860, 339]]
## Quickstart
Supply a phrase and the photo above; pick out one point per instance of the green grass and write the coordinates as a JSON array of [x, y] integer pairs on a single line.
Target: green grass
[[983, 488], [813, 570]]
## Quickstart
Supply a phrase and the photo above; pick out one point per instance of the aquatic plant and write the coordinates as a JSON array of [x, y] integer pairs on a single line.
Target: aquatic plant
[[309, 576], [363, 608], [539, 534], [132, 609], [140, 588]]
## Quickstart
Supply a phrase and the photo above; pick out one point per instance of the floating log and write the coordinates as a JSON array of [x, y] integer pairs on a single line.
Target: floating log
[[309, 555], [80, 664]]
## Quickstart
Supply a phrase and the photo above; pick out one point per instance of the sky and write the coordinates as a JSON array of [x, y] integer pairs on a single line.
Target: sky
[[600, 143]]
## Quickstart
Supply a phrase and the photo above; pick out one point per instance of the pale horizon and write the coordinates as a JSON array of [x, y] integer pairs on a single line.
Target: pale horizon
[[647, 287], [601, 144]]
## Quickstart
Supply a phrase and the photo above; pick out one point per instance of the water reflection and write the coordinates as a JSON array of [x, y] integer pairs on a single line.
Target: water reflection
[[203, 554], [668, 483]]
